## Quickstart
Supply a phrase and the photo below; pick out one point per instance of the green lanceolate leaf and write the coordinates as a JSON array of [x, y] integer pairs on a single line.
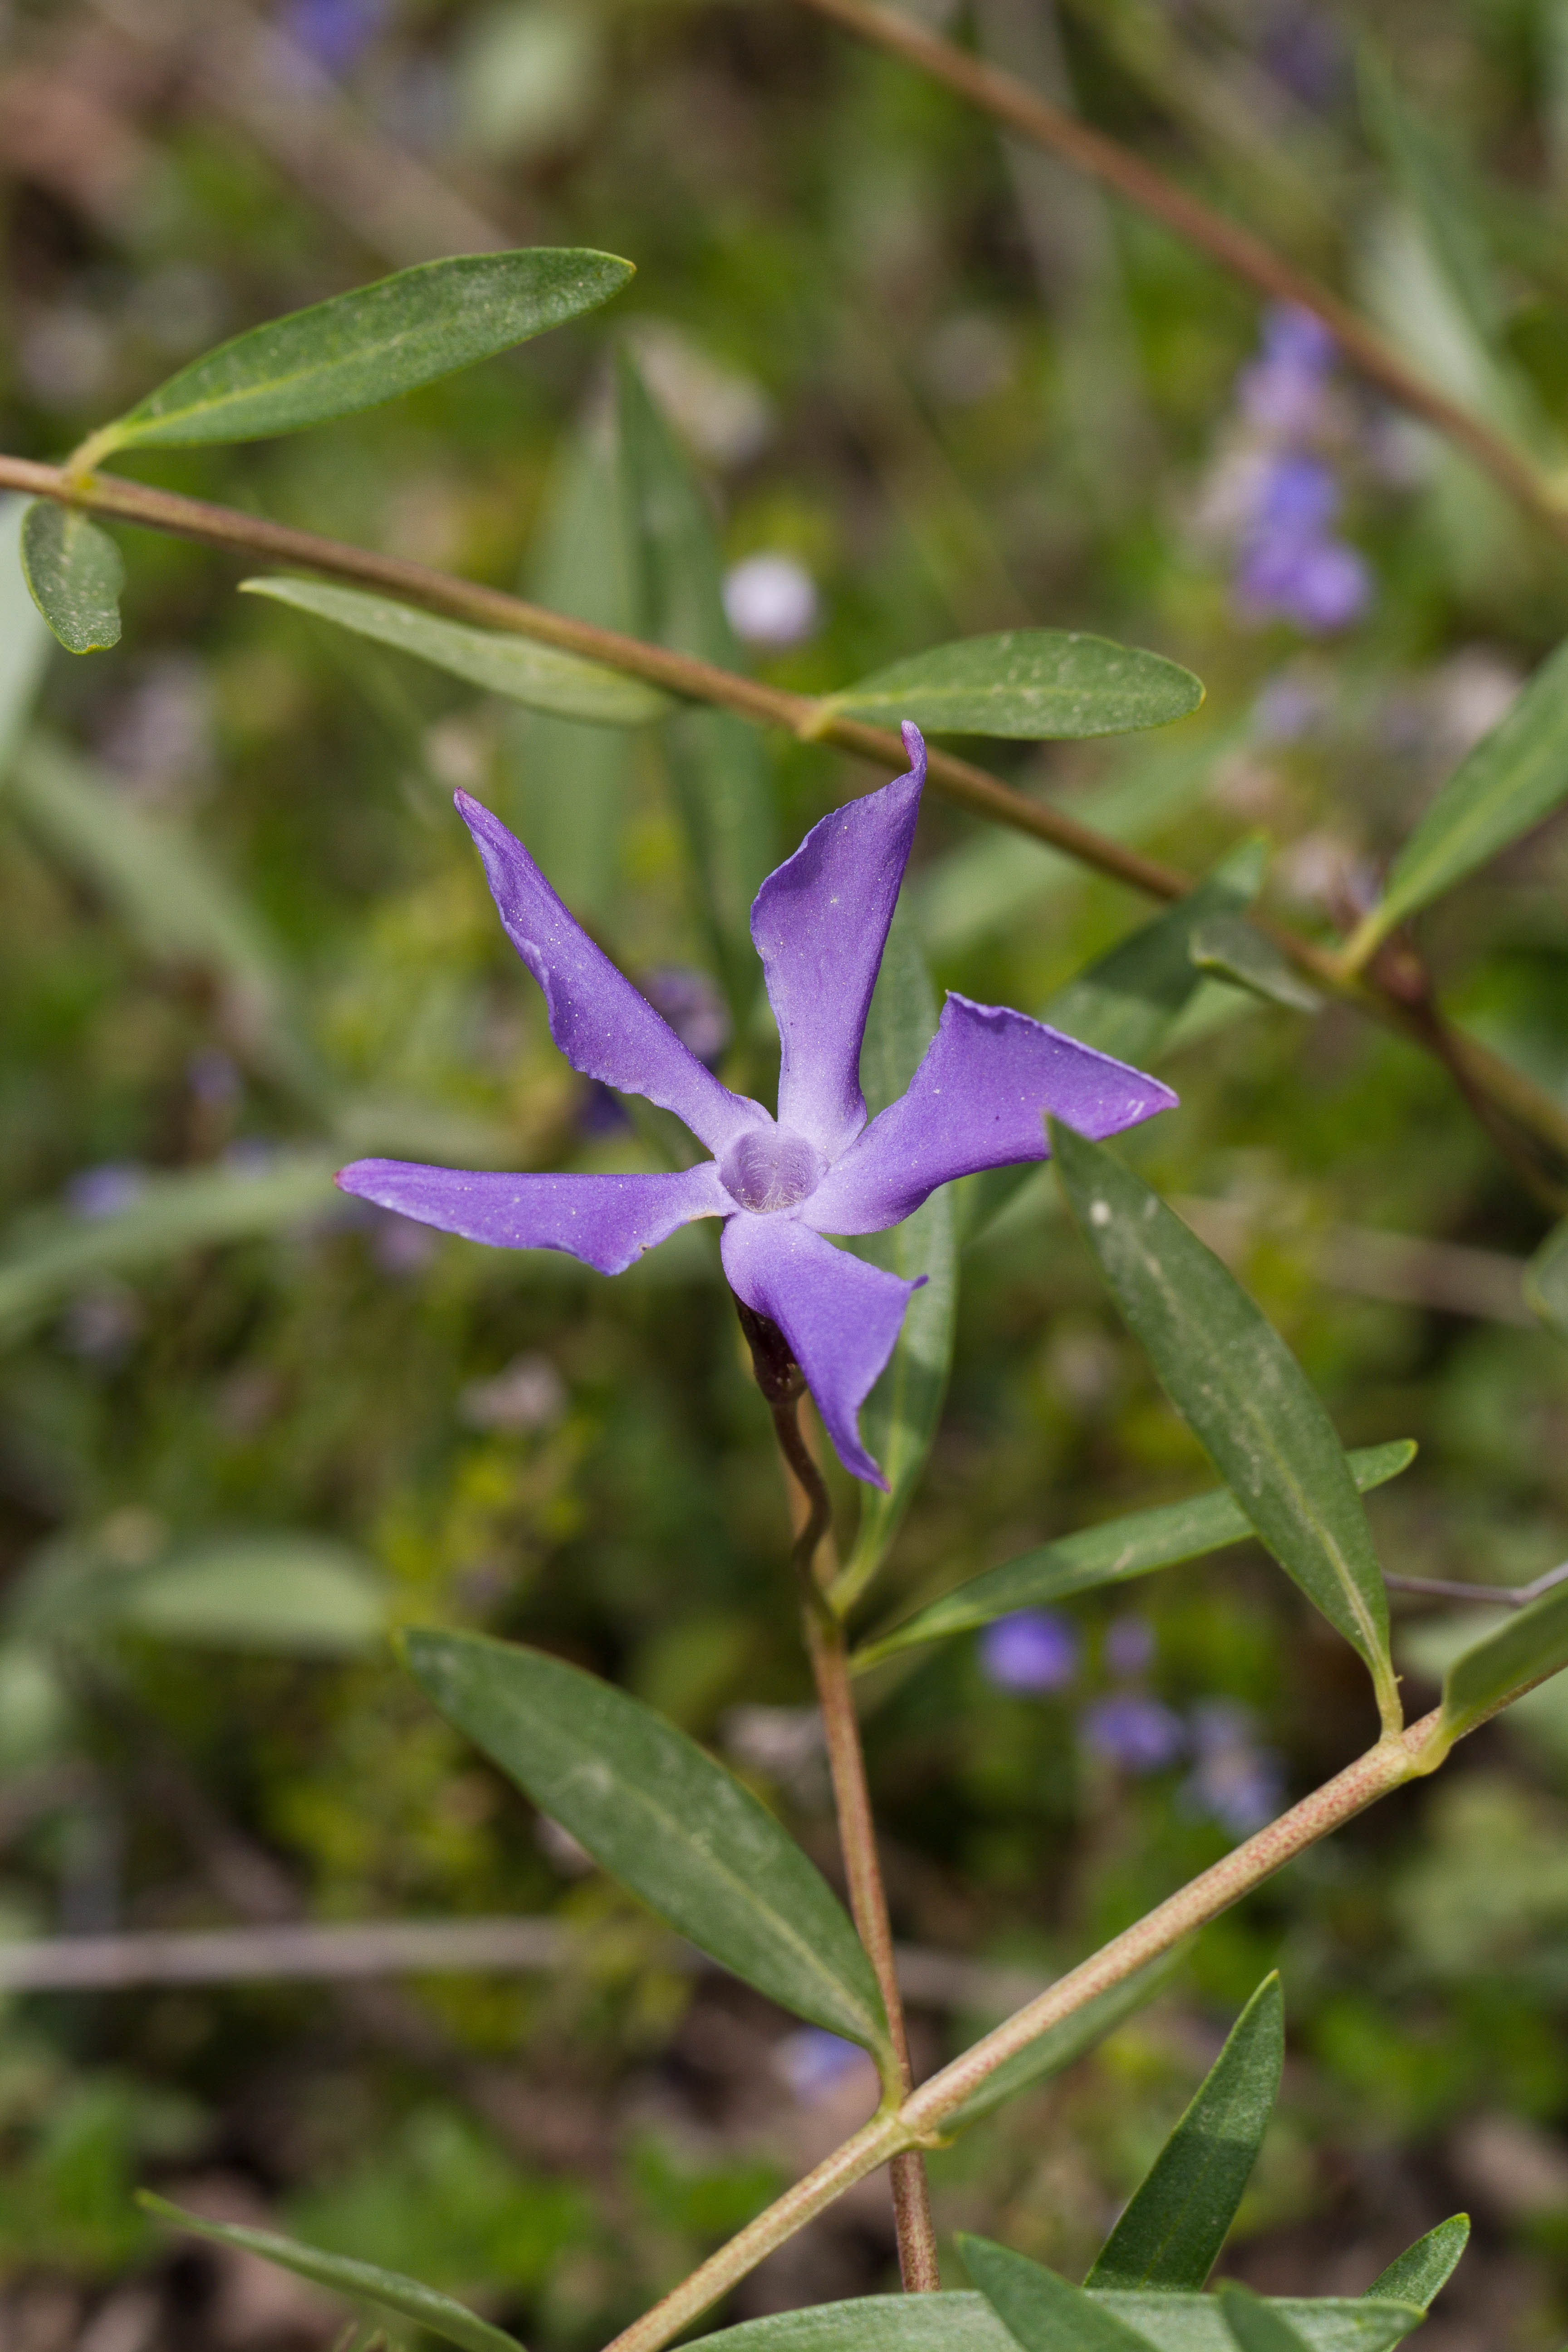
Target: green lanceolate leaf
[[664, 1818], [900, 1419], [1546, 1281], [1255, 2327], [1513, 779], [1108, 1554], [1235, 949], [382, 2295], [362, 348], [1062, 2045], [1040, 2311], [1036, 685], [1236, 1384], [75, 574], [967, 2322], [43, 1261], [1420, 2273], [1526, 1648], [537, 676], [23, 636], [1172, 2230], [279, 1594], [1127, 1002], [717, 763]]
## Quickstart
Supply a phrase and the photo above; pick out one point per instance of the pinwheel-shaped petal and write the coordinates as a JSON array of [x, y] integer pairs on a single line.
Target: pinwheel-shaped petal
[[978, 1100]]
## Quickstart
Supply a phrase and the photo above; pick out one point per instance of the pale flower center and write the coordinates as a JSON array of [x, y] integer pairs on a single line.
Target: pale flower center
[[770, 1167]]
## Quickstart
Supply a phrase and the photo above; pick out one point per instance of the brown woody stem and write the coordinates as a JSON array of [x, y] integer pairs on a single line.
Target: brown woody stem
[[968, 787], [810, 1509], [1247, 256]]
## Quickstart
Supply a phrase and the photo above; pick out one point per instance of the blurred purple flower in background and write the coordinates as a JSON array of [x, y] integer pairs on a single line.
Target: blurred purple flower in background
[[1235, 1781], [1135, 1733], [105, 1191], [693, 1008], [1129, 1647], [1290, 565], [1031, 1653], [814, 2062], [334, 33], [780, 1187]]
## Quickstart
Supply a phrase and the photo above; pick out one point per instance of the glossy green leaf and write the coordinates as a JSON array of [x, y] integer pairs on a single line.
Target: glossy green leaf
[[75, 574], [1127, 1002], [1040, 2311], [23, 635], [1546, 1281], [1241, 1392], [1177, 2220], [1036, 685], [44, 1260], [1420, 2273], [967, 2323], [1515, 777], [281, 1594], [569, 785], [900, 1419], [357, 350], [717, 764], [1255, 2326], [1531, 1644], [382, 2295], [537, 676], [1108, 1554], [1062, 2045], [1235, 949], [658, 1814]]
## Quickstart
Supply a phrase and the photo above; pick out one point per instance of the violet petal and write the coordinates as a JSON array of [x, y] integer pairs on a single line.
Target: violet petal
[[839, 1316], [978, 1100], [820, 922], [605, 1028], [607, 1220]]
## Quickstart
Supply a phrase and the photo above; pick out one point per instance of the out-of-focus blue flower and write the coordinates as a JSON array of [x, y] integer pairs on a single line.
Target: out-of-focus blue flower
[[1129, 1647], [401, 1246], [105, 1191], [1290, 565], [213, 1077], [1031, 1653], [1136, 1733], [1235, 1781], [1321, 585], [1284, 392], [693, 1008], [335, 33], [814, 2062]]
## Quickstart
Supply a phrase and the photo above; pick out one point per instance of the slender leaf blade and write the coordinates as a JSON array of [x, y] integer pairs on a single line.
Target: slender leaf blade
[[362, 348], [74, 574], [364, 2285], [1129, 999], [1031, 684], [1112, 1553], [1235, 949], [662, 1817], [1062, 2045], [281, 1593], [1515, 777], [1040, 2311], [1177, 2222], [1255, 2327], [900, 1419], [1527, 1647], [967, 2323], [1420, 2273], [1240, 1390], [539, 676]]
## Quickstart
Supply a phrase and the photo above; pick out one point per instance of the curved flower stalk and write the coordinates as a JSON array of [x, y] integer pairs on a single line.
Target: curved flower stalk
[[820, 922]]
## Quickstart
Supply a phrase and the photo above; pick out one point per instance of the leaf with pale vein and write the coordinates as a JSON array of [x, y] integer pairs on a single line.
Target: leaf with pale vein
[[1033, 684], [1176, 2222], [359, 349], [1420, 2273], [662, 1817], [1239, 1388], [539, 676], [967, 2323], [74, 574], [1112, 1553]]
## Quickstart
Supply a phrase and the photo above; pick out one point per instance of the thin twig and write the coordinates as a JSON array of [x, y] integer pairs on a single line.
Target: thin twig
[[1495, 1596], [811, 1508], [1235, 249], [959, 780]]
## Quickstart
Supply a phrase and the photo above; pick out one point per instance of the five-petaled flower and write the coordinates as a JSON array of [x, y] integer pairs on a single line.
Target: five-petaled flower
[[820, 923]]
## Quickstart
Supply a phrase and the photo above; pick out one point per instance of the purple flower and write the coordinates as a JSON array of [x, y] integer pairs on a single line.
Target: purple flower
[[105, 1191], [1129, 1646], [1032, 1652], [334, 33], [1138, 1734], [1235, 1781], [814, 2062], [819, 923]]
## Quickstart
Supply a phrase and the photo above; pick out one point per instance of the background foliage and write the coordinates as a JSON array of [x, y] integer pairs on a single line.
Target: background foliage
[[948, 391]]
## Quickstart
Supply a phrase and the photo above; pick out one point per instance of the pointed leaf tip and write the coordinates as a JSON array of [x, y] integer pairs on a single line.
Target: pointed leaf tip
[[1029, 685], [74, 573]]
